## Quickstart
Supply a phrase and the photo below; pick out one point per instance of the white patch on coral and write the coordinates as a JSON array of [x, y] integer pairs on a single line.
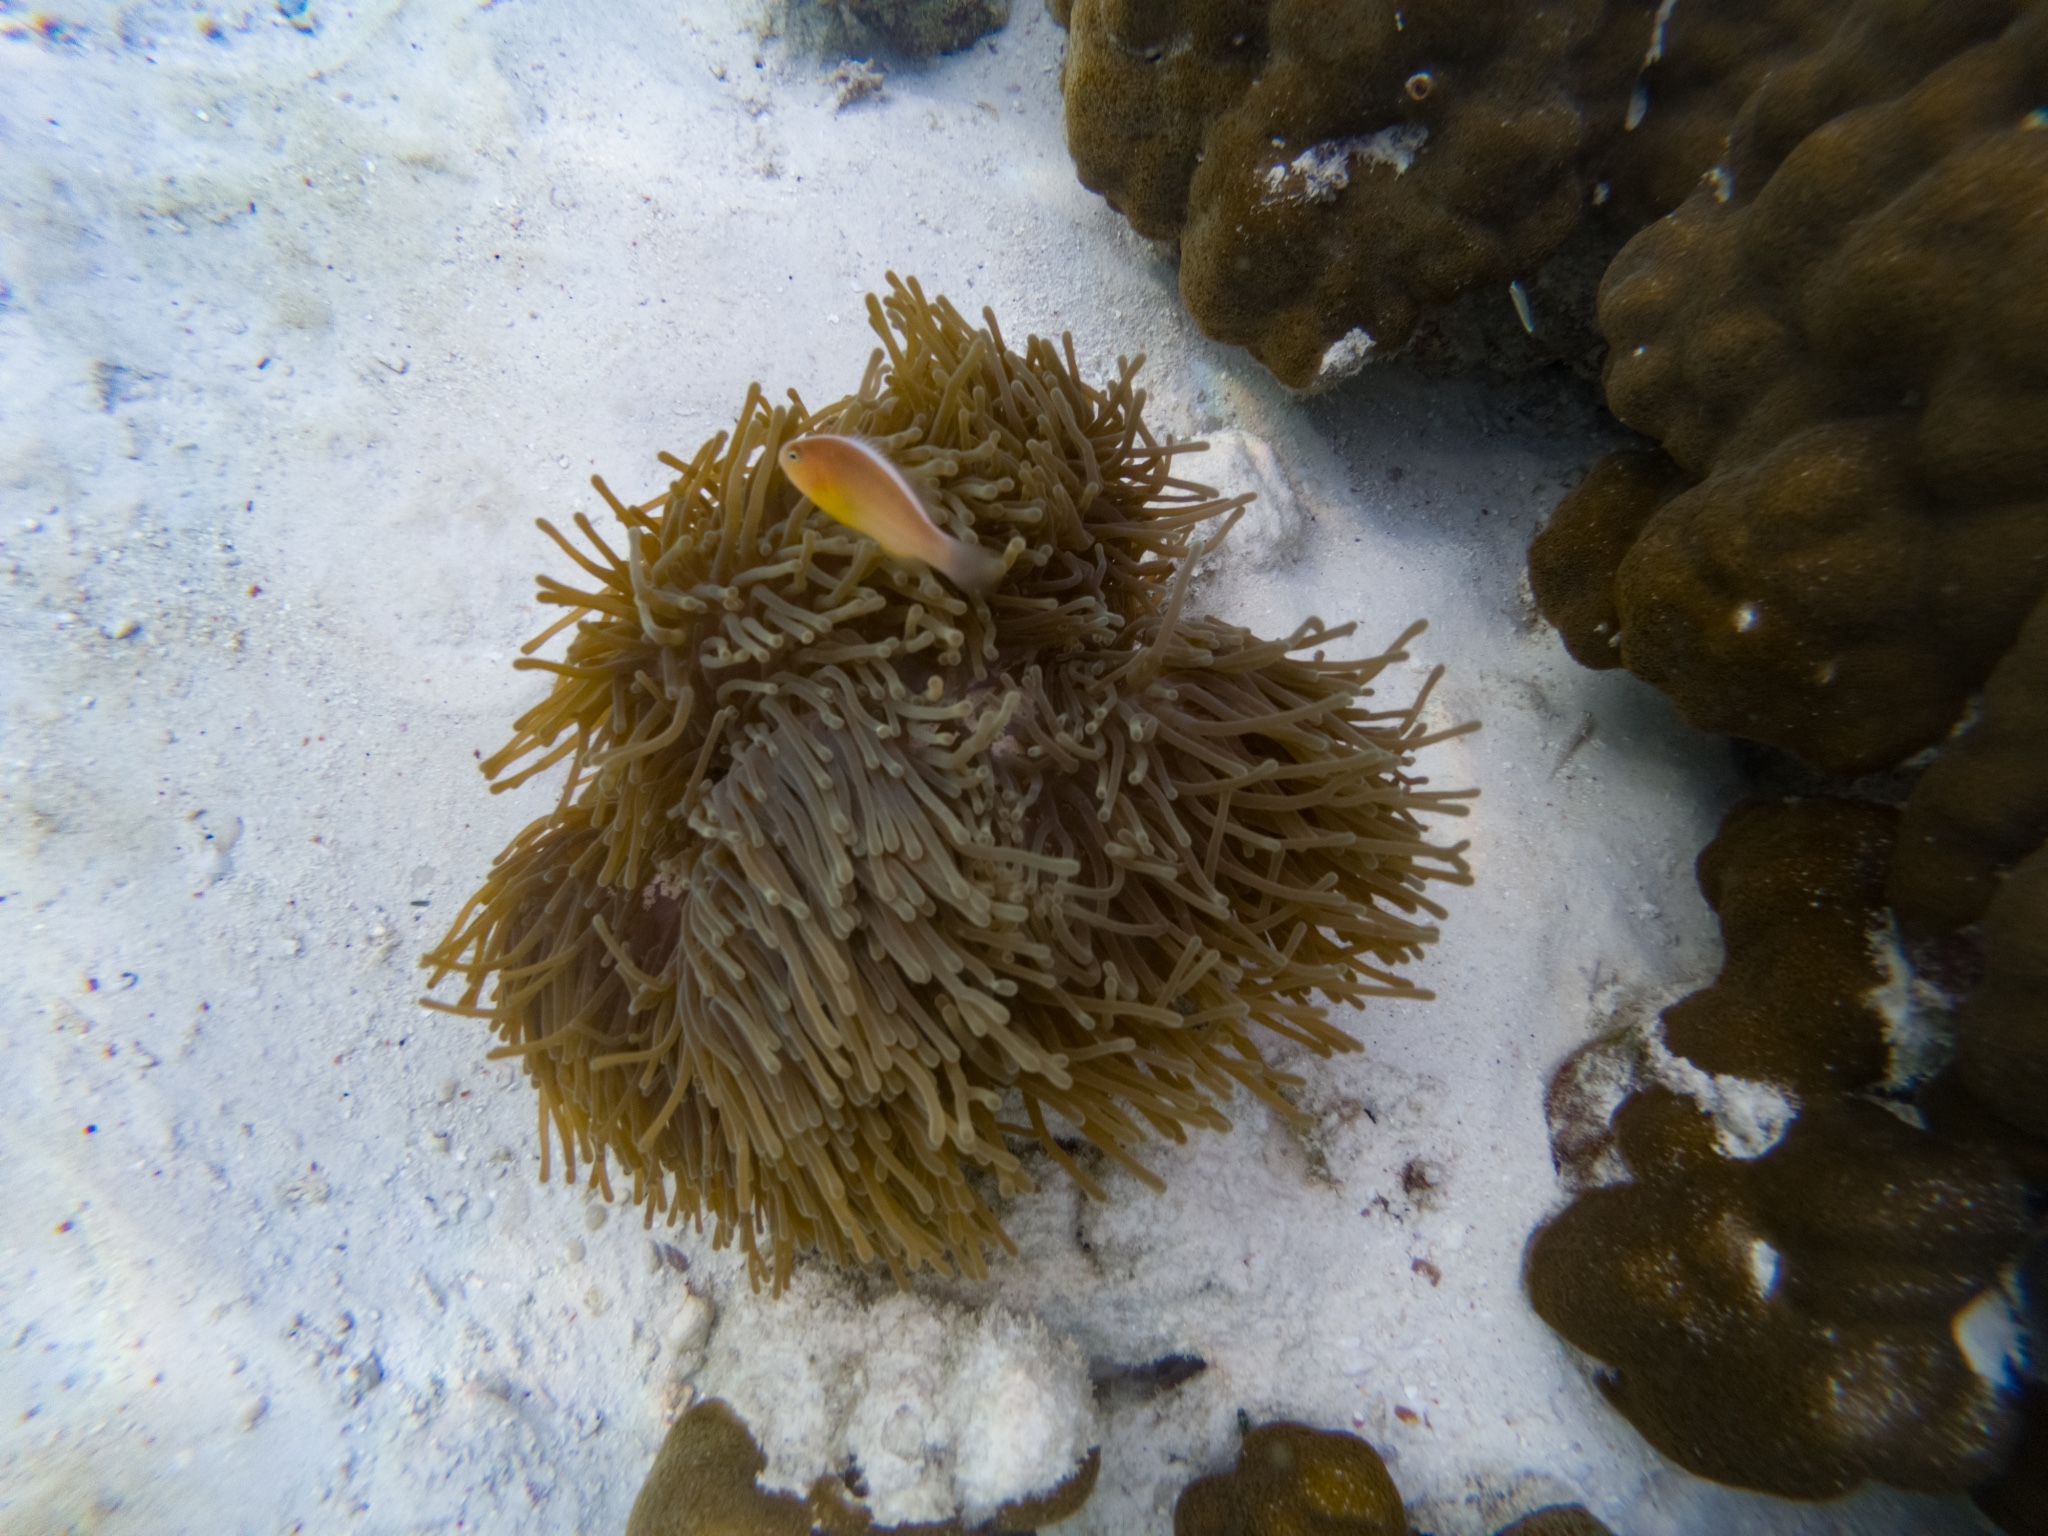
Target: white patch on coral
[[1657, 33], [1764, 1264], [1020, 1416], [1656, 48], [1345, 356], [1915, 1014], [1991, 1337], [1321, 171], [1750, 1117], [947, 1412]]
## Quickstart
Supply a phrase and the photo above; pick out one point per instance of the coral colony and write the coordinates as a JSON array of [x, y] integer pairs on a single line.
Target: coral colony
[[1803, 246]]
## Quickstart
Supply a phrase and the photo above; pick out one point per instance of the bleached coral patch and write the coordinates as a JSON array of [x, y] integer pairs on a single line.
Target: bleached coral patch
[[1919, 1036], [1750, 1116], [1321, 171], [1344, 357], [1991, 1336], [944, 1411]]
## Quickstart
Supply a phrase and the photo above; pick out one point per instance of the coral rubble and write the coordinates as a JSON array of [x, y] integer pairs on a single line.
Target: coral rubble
[[1337, 172], [922, 28], [847, 865]]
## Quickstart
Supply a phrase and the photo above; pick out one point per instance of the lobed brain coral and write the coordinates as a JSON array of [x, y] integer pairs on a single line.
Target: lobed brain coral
[[1841, 546], [1787, 1321], [848, 868], [1798, 887], [2002, 1030], [1982, 804], [1291, 1480], [1841, 549], [1295, 1480], [1842, 346], [705, 1481], [1335, 171]]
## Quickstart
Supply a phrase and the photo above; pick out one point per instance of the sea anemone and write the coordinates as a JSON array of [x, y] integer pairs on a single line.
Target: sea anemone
[[847, 865]]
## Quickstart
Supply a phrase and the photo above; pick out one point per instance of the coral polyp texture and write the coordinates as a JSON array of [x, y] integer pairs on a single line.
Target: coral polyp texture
[[1336, 171], [2017, 1501], [1296, 1480], [2002, 1031], [1799, 890], [1842, 345], [1780, 1310], [1982, 804], [1787, 1323], [855, 881], [1290, 1478]]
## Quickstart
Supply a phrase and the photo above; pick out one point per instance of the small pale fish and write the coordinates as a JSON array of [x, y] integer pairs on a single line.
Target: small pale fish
[[851, 480]]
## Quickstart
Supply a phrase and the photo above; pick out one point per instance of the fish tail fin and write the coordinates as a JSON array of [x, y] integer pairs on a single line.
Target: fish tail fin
[[973, 569]]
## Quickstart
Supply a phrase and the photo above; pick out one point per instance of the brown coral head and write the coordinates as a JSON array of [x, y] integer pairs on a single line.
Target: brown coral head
[[1291, 1478], [847, 866], [706, 1479], [1787, 1323]]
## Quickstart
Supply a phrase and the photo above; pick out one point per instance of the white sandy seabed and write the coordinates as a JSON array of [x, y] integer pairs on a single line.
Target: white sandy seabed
[[303, 320]]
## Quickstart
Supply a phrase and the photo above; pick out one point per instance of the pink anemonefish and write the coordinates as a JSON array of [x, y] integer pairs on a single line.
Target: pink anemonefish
[[850, 480]]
